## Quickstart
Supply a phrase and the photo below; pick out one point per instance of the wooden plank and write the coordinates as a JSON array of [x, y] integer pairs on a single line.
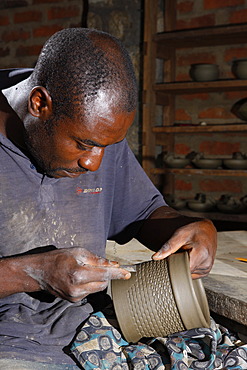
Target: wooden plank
[[200, 171], [162, 98], [219, 35], [197, 128], [216, 215], [192, 87], [148, 113], [169, 15]]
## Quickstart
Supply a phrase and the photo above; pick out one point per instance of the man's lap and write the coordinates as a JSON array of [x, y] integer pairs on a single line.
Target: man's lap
[[10, 364]]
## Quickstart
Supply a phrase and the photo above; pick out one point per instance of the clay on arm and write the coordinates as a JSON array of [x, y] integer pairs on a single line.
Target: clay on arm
[[69, 273]]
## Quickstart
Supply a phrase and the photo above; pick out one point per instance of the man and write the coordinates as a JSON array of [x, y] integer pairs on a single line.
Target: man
[[69, 182]]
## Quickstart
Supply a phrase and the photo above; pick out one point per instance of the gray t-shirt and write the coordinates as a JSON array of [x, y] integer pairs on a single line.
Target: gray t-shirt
[[37, 211]]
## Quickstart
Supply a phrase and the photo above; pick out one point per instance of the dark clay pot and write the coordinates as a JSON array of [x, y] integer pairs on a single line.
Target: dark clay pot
[[204, 72]]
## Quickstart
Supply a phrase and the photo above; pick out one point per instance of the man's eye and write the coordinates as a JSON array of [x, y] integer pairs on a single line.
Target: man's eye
[[81, 146]]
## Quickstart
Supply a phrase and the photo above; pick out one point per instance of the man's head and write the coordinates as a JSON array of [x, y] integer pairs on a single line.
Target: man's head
[[83, 88]]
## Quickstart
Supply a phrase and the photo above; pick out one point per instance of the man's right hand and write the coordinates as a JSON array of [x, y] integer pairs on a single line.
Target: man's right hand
[[70, 273]]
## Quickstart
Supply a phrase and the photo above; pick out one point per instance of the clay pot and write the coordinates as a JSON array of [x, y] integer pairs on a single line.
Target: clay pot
[[178, 204], [160, 299], [175, 162], [237, 162], [210, 163], [239, 68], [229, 204], [201, 203], [240, 109], [204, 72], [199, 206]]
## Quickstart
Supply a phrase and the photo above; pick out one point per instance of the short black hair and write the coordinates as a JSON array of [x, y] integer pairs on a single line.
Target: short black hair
[[75, 63]]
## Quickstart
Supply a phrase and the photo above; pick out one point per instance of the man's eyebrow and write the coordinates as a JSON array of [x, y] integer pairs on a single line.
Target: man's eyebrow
[[93, 143]]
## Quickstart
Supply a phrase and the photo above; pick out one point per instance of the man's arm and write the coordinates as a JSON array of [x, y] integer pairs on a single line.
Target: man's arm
[[71, 273], [166, 231]]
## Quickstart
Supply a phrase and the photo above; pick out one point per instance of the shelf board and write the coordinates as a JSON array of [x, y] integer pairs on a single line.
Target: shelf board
[[197, 128], [219, 35], [191, 87], [199, 171], [216, 215]]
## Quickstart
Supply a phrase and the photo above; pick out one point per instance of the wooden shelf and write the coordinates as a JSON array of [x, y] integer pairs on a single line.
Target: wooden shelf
[[199, 171], [216, 215], [219, 35], [160, 99], [191, 87], [197, 128]]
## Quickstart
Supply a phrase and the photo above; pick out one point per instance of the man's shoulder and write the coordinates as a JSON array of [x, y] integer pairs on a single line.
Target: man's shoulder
[[12, 76]]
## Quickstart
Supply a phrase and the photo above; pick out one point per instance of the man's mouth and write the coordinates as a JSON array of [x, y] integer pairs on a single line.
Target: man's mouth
[[65, 173]]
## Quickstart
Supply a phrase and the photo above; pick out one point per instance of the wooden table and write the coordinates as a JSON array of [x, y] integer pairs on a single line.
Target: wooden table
[[226, 285]]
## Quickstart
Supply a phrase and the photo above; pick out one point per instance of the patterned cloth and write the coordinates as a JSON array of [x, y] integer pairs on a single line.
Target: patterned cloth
[[99, 345]]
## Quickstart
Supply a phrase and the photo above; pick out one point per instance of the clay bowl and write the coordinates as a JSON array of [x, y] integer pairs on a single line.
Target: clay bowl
[[204, 72], [160, 299], [178, 204], [200, 206], [240, 109], [231, 208], [177, 162], [236, 164], [239, 68], [209, 163]]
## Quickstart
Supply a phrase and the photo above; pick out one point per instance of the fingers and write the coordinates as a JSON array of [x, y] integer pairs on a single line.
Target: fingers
[[90, 273], [89, 281], [77, 293], [200, 238], [86, 280], [177, 241], [95, 268], [200, 262], [85, 257], [74, 273]]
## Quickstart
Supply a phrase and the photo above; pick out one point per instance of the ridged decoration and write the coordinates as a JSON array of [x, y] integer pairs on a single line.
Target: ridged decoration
[[153, 299]]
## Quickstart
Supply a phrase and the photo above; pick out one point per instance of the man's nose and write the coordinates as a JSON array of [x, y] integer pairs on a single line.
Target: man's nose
[[92, 159]]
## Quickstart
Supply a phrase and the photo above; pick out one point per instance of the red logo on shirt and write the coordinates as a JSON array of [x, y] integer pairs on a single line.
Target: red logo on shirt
[[80, 191]]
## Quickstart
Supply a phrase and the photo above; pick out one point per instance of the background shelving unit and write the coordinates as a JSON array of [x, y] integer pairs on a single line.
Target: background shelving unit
[[163, 46]]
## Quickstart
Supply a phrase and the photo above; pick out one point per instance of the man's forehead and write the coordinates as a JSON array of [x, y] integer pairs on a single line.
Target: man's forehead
[[104, 103]]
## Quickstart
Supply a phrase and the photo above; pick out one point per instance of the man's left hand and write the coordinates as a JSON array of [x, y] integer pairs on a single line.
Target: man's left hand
[[200, 238]]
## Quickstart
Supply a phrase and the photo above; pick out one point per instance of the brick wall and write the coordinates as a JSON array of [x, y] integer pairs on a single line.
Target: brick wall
[[26, 24], [209, 107]]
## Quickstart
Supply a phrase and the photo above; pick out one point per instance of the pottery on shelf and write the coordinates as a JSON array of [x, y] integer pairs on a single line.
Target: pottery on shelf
[[237, 162], [201, 203], [175, 202], [239, 68], [240, 109], [204, 72], [206, 163], [244, 200], [173, 161], [229, 204]]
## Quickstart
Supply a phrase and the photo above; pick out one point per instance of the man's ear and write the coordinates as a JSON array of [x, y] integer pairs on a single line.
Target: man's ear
[[40, 103]]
